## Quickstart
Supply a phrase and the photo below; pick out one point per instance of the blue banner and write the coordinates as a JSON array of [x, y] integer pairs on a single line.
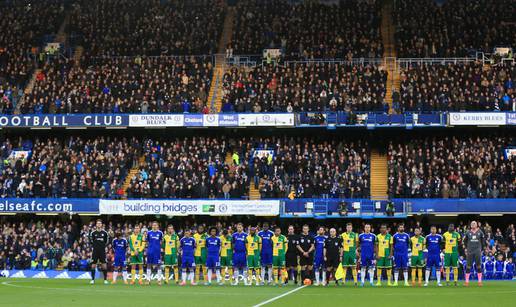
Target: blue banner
[[511, 118], [78, 120], [49, 205], [193, 120], [228, 120]]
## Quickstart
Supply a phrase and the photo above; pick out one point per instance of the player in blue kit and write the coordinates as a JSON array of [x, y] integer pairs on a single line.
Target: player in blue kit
[[266, 254], [401, 241], [239, 254], [319, 267], [509, 269], [499, 267], [187, 249], [366, 245], [213, 244], [154, 240], [434, 243], [120, 246], [488, 268]]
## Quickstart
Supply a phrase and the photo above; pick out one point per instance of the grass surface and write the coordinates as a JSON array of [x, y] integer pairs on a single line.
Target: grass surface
[[53, 292]]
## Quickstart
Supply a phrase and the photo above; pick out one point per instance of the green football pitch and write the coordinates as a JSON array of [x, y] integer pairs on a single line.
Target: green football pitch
[[52, 292]]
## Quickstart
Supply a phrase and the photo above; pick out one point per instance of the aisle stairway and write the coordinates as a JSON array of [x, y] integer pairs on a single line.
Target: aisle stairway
[[389, 54], [28, 88], [77, 55], [132, 173], [215, 95], [379, 176]]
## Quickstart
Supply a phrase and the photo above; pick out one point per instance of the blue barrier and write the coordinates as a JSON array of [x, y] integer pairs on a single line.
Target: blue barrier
[[333, 208], [462, 206], [311, 207], [47, 274]]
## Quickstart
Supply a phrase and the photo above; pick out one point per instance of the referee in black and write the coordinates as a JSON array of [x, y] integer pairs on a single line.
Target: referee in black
[[291, 255], [332, 254], [306, 247], [99, 239]]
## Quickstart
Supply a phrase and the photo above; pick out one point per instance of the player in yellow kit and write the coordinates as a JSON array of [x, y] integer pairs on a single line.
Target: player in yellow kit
[[349, 252], [279, 248], [226, 253], [170, 246], [136, 246], [383, 255], [451, 253], [253, 243], [417, 259], [200, 253]]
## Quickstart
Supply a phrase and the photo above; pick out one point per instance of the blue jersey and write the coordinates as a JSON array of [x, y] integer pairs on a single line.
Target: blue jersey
[[510, 267], [401, 243], [489, 266], [213, 246], [120, 247], [266, 241], [187, 246], [239, 242], [319, 245], [499, 266], [367, 241], [154, 239], [433, 244]]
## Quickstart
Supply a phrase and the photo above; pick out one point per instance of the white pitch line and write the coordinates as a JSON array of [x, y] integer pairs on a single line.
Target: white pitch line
[[279, 296]]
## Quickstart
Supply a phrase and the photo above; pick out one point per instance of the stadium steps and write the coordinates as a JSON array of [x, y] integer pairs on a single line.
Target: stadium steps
[[27, 90], [77, 55], [389, 53], [133, 172], [215, 95], [379, 176], [254, 194], [61, 35]]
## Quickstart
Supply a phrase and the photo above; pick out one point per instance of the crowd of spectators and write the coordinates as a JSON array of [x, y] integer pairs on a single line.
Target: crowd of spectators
[[307, 167], [452, 167], [24, 24], [122, 85], [310, 86], [66, 167], [457, 87], [147, 27], [192, 167], [458, 28], [47, 244], [309, 29]]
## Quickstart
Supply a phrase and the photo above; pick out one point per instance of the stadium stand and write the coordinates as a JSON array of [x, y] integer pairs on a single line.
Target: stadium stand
[[305, 86], [452, 28], [66, 167], [28, 23], [309, 29], [152, 28], [457, 87], [468, 166], [122, 85]]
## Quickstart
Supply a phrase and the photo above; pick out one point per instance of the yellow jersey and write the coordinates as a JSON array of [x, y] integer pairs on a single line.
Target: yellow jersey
[[384, 243], [200, 242], [418, 245], [170, 243], [253, 244], [451, 240], [226, 245], [349, 241]]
